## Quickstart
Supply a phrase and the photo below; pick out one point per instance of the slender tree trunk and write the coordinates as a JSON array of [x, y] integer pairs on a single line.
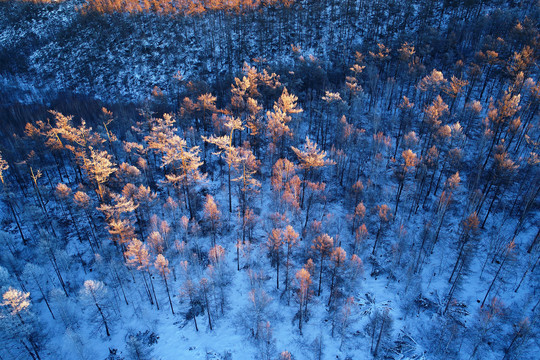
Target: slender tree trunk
[[153, 289], [320, 276], [207, 309], [104, 320], [494, 279], [168, 293], [380, 337]]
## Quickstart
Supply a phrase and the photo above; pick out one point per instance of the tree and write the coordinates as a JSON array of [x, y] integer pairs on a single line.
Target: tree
[[185, 163], [507, 253], [162, 266], [358, 215], [83, 201], [95, 291], [383, 212], [249, 165], [212, 215], [338, 258], [290, 238], [454, 89], [99, 167], [119, 221], [282, 172], [259, 301], [35, 273], [64, 193], [310, 158], [409, 162], [382, 323], [278, 120], [322, 244], [218, 272], [303, 278], [137, 256], [205, 288], [17, 321], [274, 243], [225, 145]]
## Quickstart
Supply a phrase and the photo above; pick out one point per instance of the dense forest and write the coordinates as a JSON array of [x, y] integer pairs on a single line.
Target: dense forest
[[280, 179]]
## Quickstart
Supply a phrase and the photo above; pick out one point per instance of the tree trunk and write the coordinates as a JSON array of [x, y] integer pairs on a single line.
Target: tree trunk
[[380, 337], [168, 293], [320, 276]]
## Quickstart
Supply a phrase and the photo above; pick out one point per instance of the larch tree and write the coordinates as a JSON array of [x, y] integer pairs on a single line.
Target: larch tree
[[137, 256], [35, 274], [225, 146], [17, 322], [290, 239], [360, 235], [206, 105], [63, 192], [118, 218], [384, 215], [358, 215], [507, 254], [338, 258], [185, 163], [454, 88], [99, 167], [83, 201], [212, 216], [248, 166], [432, 121], [310, 158], [410, 161], [274, 243], [282, 171], [323, 245], [444, 201], [94, 292], [469, 226], [204, 285], [162, 266], [279, 119], [303, 278], [218, 273]]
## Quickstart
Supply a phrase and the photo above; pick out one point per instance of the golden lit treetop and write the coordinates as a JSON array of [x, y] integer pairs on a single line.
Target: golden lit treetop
[[16, 300], [433, 81], [311, 156], [137, 255]]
